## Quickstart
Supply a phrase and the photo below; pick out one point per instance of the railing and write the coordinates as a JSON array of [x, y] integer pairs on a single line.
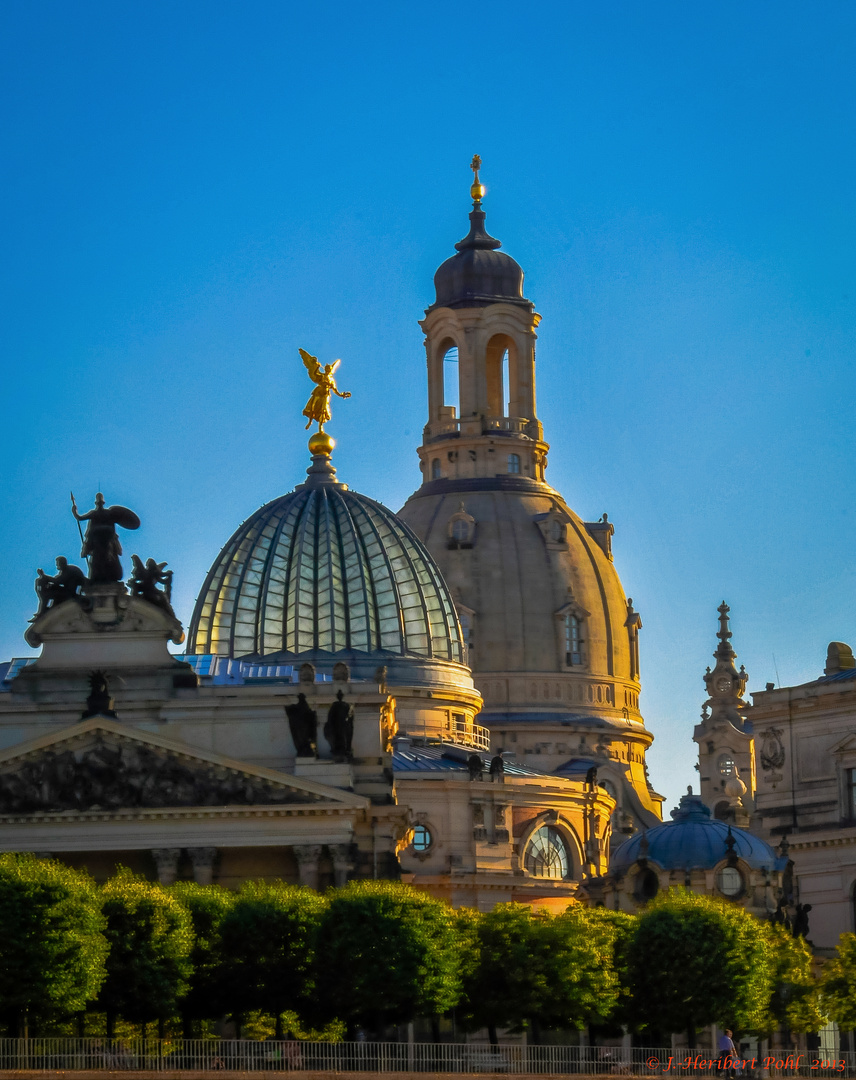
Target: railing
[[226, 1055], [515, 425]]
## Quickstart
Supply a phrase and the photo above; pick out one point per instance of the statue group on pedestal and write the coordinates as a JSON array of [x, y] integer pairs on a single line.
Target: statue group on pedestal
[[338, 730], [101, 548]]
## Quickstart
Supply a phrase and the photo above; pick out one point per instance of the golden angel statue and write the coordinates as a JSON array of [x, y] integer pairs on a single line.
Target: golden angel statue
[[318, 406]]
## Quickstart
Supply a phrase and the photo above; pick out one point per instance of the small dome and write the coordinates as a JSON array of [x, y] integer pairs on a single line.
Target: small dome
[[479, 274], [325, 570], [693, 840]]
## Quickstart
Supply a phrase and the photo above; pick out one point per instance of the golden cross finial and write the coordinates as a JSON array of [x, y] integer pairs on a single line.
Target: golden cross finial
[[477, 190]]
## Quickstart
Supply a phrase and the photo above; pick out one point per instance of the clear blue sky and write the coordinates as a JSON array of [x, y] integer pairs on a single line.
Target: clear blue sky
[[191, 191]]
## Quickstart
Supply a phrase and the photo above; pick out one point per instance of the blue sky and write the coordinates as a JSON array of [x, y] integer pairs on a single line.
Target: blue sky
[[191, 191]]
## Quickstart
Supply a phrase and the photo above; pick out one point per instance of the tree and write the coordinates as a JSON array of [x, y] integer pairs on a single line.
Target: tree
[[53, 951], [504, 984], [694, 960], [269, 937], [386, 954], [151, 936], [579, 951], [795, 999], [208, 995], [838, 984], [531, 967]]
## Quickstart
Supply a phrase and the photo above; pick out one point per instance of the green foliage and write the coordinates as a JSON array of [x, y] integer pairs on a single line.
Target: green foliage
[[838, 984], [268, 939], [524, 966], [386, 954], [795, 998], [694, 961], [579, 960], [207, 905], [53, 950], [151, 937]]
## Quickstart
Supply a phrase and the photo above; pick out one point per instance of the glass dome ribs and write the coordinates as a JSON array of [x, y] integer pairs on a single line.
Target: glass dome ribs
[[325, 569]]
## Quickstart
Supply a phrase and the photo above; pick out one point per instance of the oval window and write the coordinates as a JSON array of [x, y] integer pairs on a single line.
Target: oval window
[[729, 881], [422, 838], [726, 764]]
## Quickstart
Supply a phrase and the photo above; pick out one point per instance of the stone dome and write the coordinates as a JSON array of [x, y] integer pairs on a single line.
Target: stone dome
[[694, 840], [530, 562], [324, 570], [479, 274]]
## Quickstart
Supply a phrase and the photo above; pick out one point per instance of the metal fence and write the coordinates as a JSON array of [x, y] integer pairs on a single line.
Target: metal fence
[[232, 1055]]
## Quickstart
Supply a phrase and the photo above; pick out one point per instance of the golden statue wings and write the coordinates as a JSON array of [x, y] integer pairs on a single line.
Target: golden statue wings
[[318, 406]]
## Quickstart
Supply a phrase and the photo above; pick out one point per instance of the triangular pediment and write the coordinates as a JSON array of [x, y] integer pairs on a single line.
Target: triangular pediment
[[847, 744], [103, 765]]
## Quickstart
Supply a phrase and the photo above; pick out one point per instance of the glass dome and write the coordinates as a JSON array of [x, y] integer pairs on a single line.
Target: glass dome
[[325, 569]]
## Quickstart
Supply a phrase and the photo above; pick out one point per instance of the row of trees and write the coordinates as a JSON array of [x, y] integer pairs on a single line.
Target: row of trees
[[375, 954]]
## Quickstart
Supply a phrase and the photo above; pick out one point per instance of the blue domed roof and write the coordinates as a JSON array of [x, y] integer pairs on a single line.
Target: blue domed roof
[[694, 840], [325, 570]]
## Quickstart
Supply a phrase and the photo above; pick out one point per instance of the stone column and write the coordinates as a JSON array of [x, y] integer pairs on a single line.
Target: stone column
[[203, 859], [166, 861], [307, 856], [341, 856]]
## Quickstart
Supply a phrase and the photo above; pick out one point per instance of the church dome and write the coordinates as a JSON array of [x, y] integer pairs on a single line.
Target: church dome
[[479, 275], [324, 571], [694, 840]]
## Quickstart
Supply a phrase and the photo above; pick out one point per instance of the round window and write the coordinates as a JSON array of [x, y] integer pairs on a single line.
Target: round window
[[729, 881], [547, 854], [422, 838], [726, 765]]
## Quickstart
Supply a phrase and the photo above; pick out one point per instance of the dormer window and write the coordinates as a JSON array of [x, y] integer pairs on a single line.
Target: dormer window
[[514, 463], [461, 529]]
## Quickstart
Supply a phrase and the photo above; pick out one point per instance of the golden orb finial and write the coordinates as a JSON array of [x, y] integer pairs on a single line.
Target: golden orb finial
[[321, 443], [478, 189]]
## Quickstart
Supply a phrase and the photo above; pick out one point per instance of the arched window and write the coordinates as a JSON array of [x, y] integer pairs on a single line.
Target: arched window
[[436, 473], [460, 530], [514, 463], [726, 764], [573, 654], [451, 380], [547, 854]]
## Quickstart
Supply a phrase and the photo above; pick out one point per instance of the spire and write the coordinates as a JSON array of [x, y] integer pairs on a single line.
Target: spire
[[725, 684], [724, 649], [477, 237]]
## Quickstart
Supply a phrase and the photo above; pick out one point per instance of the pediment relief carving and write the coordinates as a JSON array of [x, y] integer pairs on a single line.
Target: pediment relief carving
[[101, 771]]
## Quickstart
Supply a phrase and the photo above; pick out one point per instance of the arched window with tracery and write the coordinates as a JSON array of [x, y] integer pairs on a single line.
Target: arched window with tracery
[[546, 854]]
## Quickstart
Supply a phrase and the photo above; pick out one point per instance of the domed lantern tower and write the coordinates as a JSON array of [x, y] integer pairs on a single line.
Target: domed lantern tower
[[551, 637]]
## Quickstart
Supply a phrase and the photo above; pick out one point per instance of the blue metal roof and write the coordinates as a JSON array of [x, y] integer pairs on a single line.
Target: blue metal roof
[[839, 676], [437, 759], [694, 840], [576, 767]]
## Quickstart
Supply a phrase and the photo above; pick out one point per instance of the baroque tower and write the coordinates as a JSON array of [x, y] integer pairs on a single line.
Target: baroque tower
[[551, 637], [725, 744]]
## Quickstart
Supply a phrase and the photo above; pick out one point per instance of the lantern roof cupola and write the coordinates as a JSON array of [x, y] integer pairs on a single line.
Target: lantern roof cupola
[[479, 274]]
